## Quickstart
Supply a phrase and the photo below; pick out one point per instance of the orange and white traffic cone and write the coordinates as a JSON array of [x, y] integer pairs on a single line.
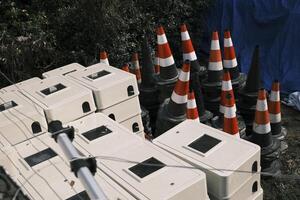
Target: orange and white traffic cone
[[173, 110], [104, 57], [215, 66], [125, 67], [192, 111], [229, 60], [136, 67], [156, 63], [166, 61], [275, 111], [188, 49], [227, 106]]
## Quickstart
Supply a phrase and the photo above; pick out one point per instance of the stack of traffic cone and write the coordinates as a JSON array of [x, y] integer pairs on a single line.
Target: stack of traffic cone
[[156, 63], [192, 111], [230, 63], [173, 110], [196, 72], [277, 129], [148, 90], [212, 85], [136, 67], [125, 67], [227, 106], [262, 136], [248, 94], [104, 57], [168, 72]]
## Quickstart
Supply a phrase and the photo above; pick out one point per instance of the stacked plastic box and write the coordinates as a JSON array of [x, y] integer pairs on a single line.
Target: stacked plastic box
[[40, 169], [20, 85], [20, 119], [231, 164], [60, 98], [115, 93], [127, 159]]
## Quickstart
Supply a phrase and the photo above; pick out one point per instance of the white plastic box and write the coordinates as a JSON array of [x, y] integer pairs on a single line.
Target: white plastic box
[[64, 70], [40, 166], [110, 85], [20, 85], [61, 99], [134, 124], [20, 119], [116, 148], [227, 161]]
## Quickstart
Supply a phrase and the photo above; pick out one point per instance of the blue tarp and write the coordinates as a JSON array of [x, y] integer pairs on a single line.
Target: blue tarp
[[272, 24]]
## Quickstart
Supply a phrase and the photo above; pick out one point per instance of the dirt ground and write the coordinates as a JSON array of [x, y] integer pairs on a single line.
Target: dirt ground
[[287, 189]]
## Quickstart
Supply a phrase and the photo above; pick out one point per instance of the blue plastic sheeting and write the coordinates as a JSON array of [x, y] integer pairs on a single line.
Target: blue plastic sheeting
[[272, 24]]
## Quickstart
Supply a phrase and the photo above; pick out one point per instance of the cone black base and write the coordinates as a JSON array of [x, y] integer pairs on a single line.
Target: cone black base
[[165, 121], [146, 121], [272, 168], [206, 117], [165, 88]]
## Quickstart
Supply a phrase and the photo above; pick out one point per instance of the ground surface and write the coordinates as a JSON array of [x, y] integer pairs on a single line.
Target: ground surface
[[287, 189]]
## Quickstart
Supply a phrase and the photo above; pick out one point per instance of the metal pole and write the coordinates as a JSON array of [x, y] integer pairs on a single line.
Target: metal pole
[[85, 176]]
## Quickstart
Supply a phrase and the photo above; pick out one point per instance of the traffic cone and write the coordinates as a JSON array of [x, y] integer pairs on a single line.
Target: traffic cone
[[262, 134], [230, 63], [173, 110], [188, 49], [212, 84], [275, 112], [192, 112], [227, 107], [229, 60], [136, 67], [125, 67], [104, 57], [156, 63], [148, 90], [166, 61], [248, 94], [168, 72], [215, 66]]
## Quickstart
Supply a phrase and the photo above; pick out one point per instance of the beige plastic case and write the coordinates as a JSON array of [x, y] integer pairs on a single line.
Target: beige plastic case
[[45, 174], [115, 146], [220, 155], [124, 110], [64, 70], [20, 119], [110, 85], [134, 124], [61, 99], [20, 85]]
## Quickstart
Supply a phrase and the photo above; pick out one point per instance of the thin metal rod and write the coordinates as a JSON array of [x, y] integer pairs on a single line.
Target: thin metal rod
[[84, 175]]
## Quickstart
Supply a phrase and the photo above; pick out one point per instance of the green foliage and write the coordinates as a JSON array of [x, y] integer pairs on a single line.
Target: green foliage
[[37, 35]]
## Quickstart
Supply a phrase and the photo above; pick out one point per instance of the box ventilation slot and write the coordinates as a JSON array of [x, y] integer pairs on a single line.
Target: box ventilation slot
[[53, 89], [204, 143], [147, 167]]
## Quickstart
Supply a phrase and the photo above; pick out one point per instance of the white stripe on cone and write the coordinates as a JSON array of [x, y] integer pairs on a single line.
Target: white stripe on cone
[[190, 56], [274, 96], [191, 104], [229, 112], [226, 85], [166, 62], [230, 63], [161, 39], [185, 36], [215, 45], [261, 105], [215, 66], [228, 42], [261, 128], [275, 118], [105, 61], [178, 98], [184, 76]]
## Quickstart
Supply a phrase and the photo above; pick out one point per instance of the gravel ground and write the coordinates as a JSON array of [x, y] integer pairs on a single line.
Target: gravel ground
[[287, 189]]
